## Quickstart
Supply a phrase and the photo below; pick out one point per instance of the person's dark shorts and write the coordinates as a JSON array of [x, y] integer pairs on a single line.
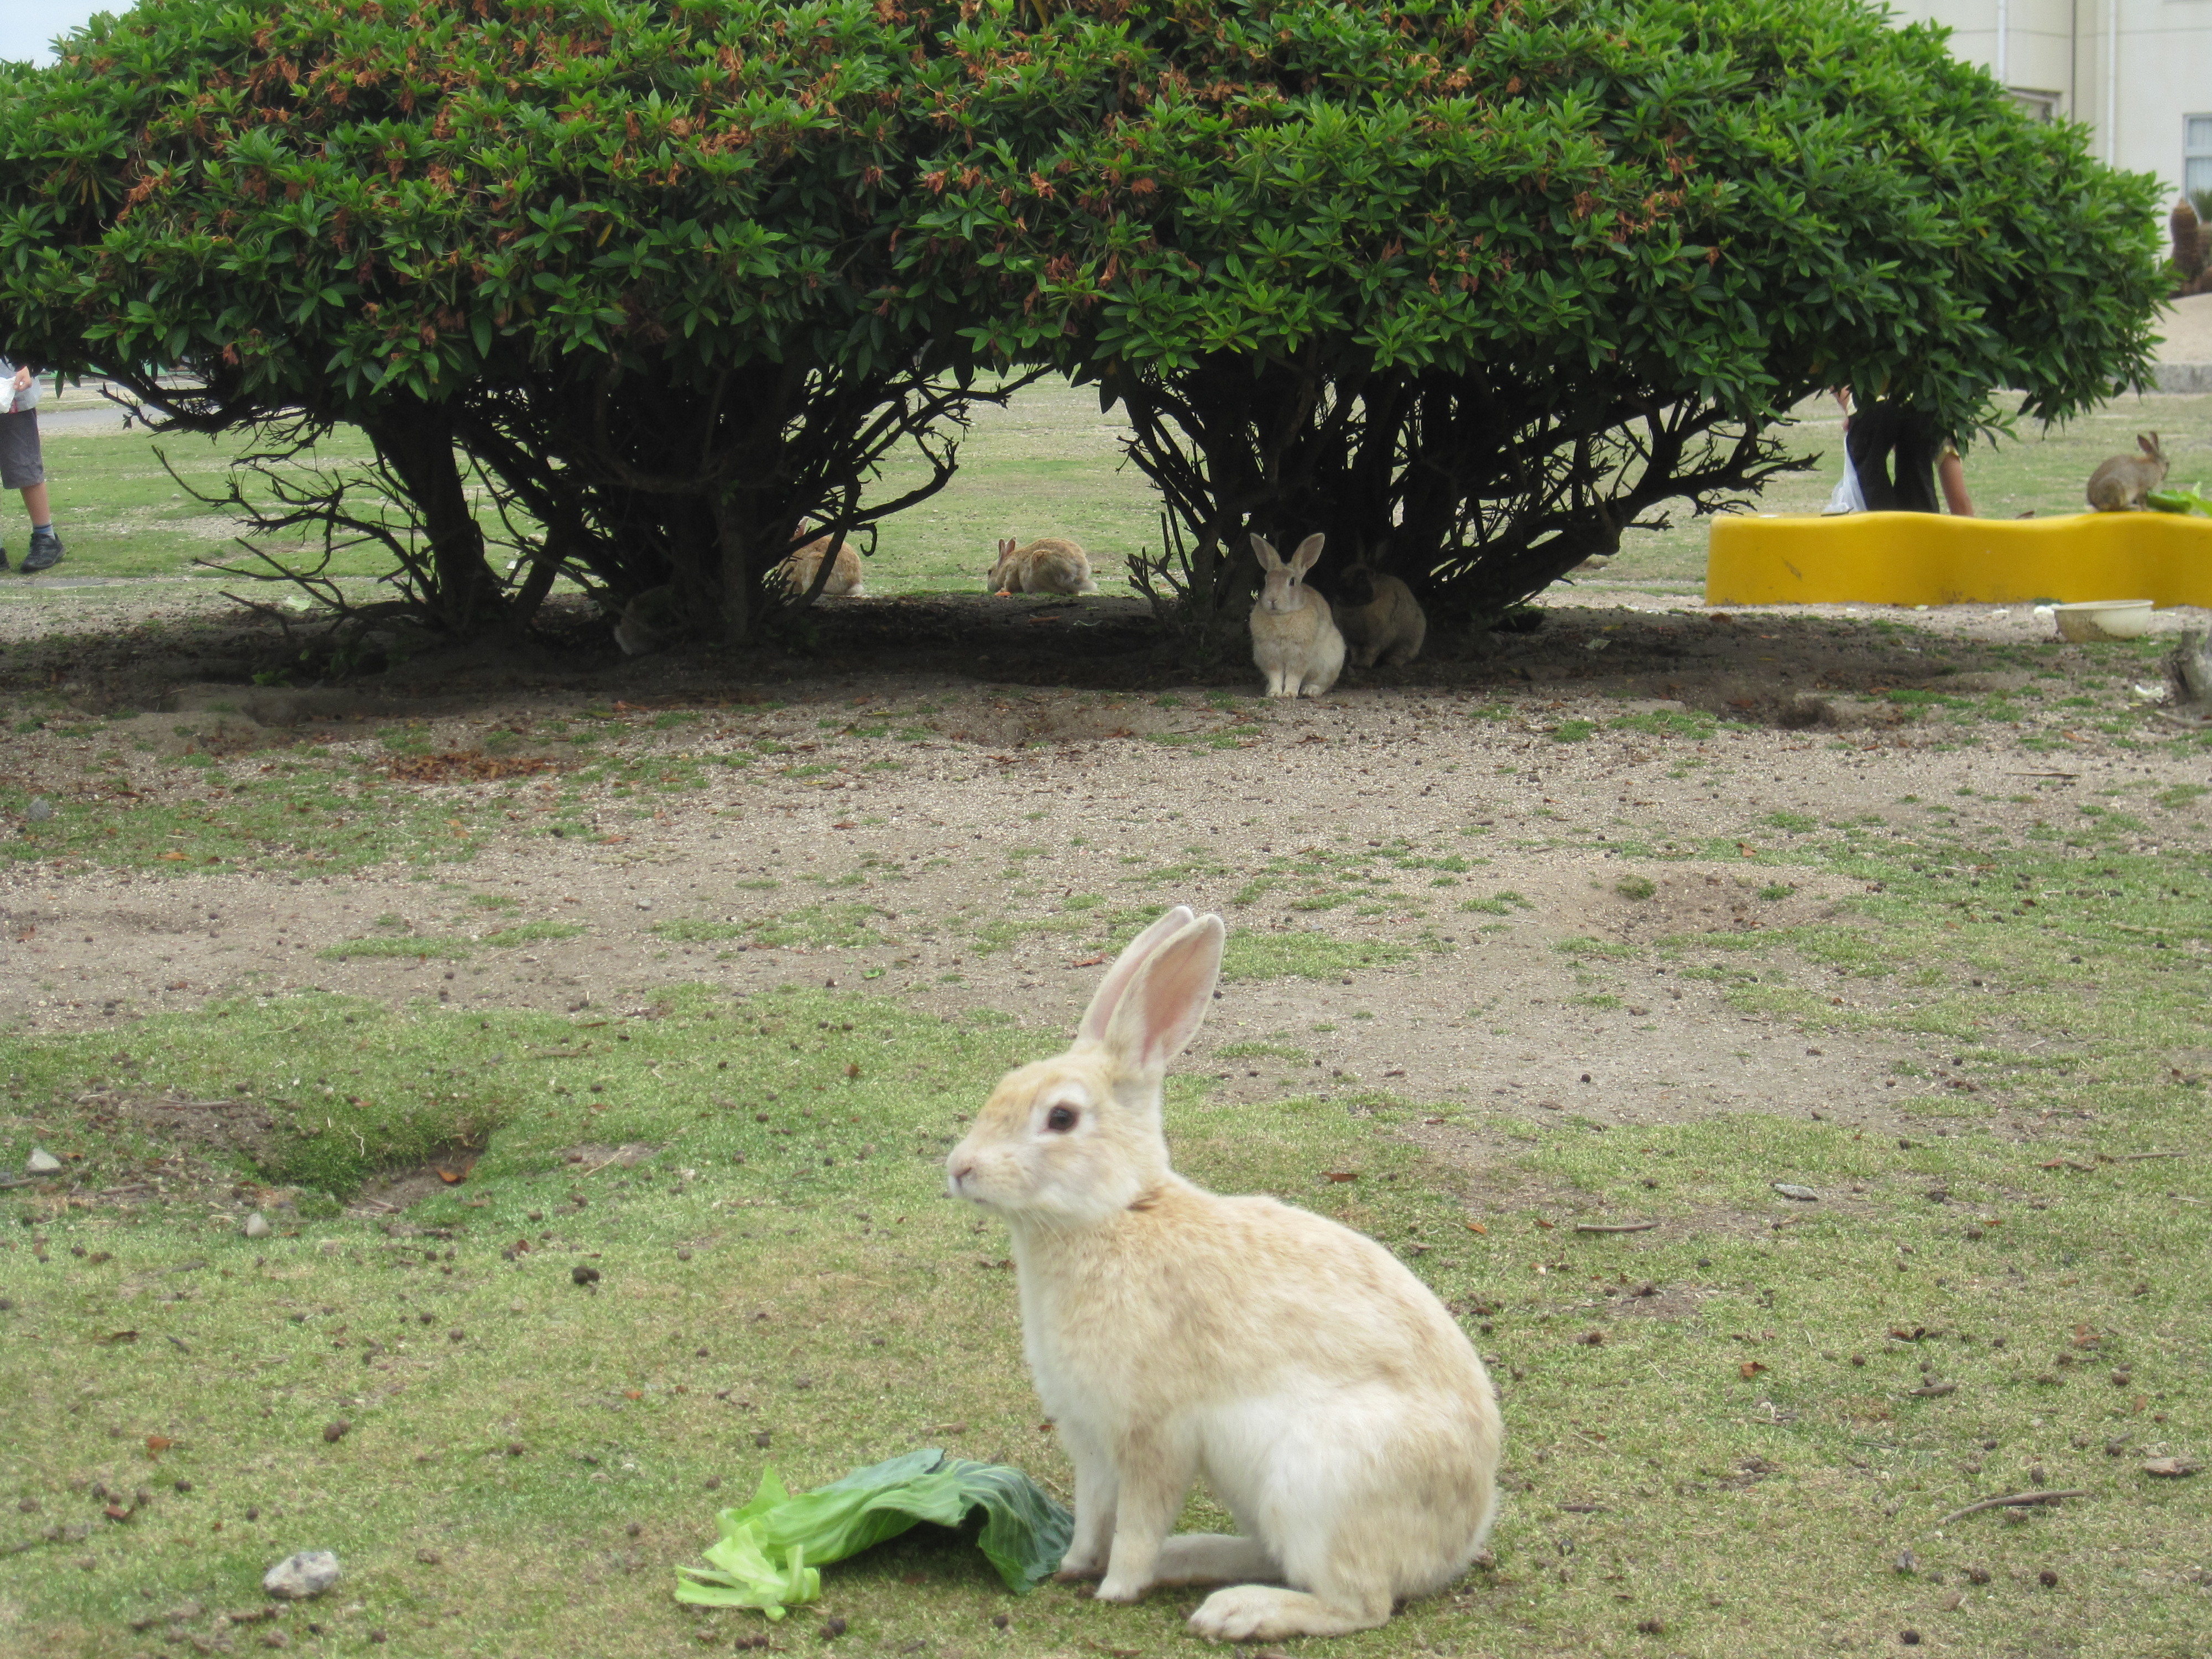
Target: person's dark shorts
[[20, 464]]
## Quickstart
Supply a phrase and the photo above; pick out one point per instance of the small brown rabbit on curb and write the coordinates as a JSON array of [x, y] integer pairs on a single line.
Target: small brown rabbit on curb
[[1379, 618], [1294, 637], [1052, 565], [2118, 485], [844, 583], [1299, 1369]]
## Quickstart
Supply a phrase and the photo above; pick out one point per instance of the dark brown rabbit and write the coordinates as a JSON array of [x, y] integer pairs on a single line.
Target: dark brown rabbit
[[1379, 617]]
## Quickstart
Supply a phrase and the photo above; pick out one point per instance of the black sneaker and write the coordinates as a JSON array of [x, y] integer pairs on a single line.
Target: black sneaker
[[4, 558], [44, 553]]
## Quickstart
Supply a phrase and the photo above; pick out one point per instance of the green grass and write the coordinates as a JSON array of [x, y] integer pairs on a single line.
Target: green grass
[[1501, 903], [533, 932], [299, 818], [1305, 956], [777, 1263]]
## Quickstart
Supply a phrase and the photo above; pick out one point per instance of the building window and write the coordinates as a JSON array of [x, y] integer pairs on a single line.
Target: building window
[[2197, 156], [2037, 105]]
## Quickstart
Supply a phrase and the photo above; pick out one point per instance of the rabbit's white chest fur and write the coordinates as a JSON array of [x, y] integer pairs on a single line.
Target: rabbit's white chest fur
[[1269, 1349]]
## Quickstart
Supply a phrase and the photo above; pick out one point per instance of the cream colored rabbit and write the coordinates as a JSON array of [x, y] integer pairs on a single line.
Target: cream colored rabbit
[[845, 581], [2118, 485], [1317, 1386], [1052, 565], [1294, 636], [1379, 618]]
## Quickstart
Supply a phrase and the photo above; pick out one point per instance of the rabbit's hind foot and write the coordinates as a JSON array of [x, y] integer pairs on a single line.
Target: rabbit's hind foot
[[1261, 1612]]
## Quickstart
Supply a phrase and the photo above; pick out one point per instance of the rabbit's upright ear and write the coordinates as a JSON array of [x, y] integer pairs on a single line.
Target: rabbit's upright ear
[[1166, 1002], [1133, 957], [2150, 446], [1309, 551], [1268, 558]]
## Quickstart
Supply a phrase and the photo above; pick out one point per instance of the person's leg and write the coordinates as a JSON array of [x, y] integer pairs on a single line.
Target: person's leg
[[1951, 473], [27, 471]]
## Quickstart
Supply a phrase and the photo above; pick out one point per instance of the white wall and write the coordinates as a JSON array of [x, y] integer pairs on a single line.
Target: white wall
[[2164, 65]]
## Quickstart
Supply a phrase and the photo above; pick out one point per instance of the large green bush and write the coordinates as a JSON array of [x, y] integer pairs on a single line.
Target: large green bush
[[631, 261], [1471, 287]]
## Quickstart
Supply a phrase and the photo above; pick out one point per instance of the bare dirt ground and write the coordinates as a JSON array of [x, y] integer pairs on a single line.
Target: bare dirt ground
[[907, 825]]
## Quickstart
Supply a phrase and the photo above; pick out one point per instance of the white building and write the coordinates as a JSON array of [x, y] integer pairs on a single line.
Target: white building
[[2137, 72]]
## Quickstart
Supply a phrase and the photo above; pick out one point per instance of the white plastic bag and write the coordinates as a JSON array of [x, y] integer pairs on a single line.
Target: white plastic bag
[[1847, 496], [12, 401]]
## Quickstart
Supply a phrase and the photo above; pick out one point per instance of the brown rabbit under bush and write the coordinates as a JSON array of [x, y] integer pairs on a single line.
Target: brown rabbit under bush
[[1379, 617], [1052, 565], [798, 570]]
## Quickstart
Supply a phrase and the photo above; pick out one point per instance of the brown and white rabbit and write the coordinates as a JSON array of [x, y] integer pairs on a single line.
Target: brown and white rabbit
[[845, 582], [1379, 618], [1052, 565], [2118, 485], [1295, 639], [1319, 1389]]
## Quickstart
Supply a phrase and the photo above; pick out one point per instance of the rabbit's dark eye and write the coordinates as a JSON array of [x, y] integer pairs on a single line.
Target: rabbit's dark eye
[[1060, 1120]]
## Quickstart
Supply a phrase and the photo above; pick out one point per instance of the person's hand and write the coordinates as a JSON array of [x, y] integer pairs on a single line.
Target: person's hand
[[22, 379]]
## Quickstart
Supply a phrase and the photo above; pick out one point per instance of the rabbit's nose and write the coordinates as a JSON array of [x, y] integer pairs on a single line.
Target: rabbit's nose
[[963, 1171]]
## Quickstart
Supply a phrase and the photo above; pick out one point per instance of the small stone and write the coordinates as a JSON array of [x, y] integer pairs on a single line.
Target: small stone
[[2047, 1578], [1911, 1637], [1978, 1575], [1000, 1621], [41, 811], [257, 1225], [832, 1629], [428, 1558], [684, 1255], [1906, 1561], [298, 1576], [275, 1639], [761, 1440], [1798, 1194], [2169, 1468], [42, 1162], [584, 1275], [334, 1432], [183, 1486]]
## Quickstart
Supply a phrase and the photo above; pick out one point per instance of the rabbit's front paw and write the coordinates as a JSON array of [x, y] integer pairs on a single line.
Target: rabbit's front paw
[[1075, 1568], [1124, 1588]]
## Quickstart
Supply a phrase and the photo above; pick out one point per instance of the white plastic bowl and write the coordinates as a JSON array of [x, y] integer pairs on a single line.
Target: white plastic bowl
[[2103, 619]]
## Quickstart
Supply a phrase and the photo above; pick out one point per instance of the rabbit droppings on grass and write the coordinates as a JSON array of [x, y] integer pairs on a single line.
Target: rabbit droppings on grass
[[1319, 1389], [1052, 565], [2118, 485], [1379, 617], [1294, 636]]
